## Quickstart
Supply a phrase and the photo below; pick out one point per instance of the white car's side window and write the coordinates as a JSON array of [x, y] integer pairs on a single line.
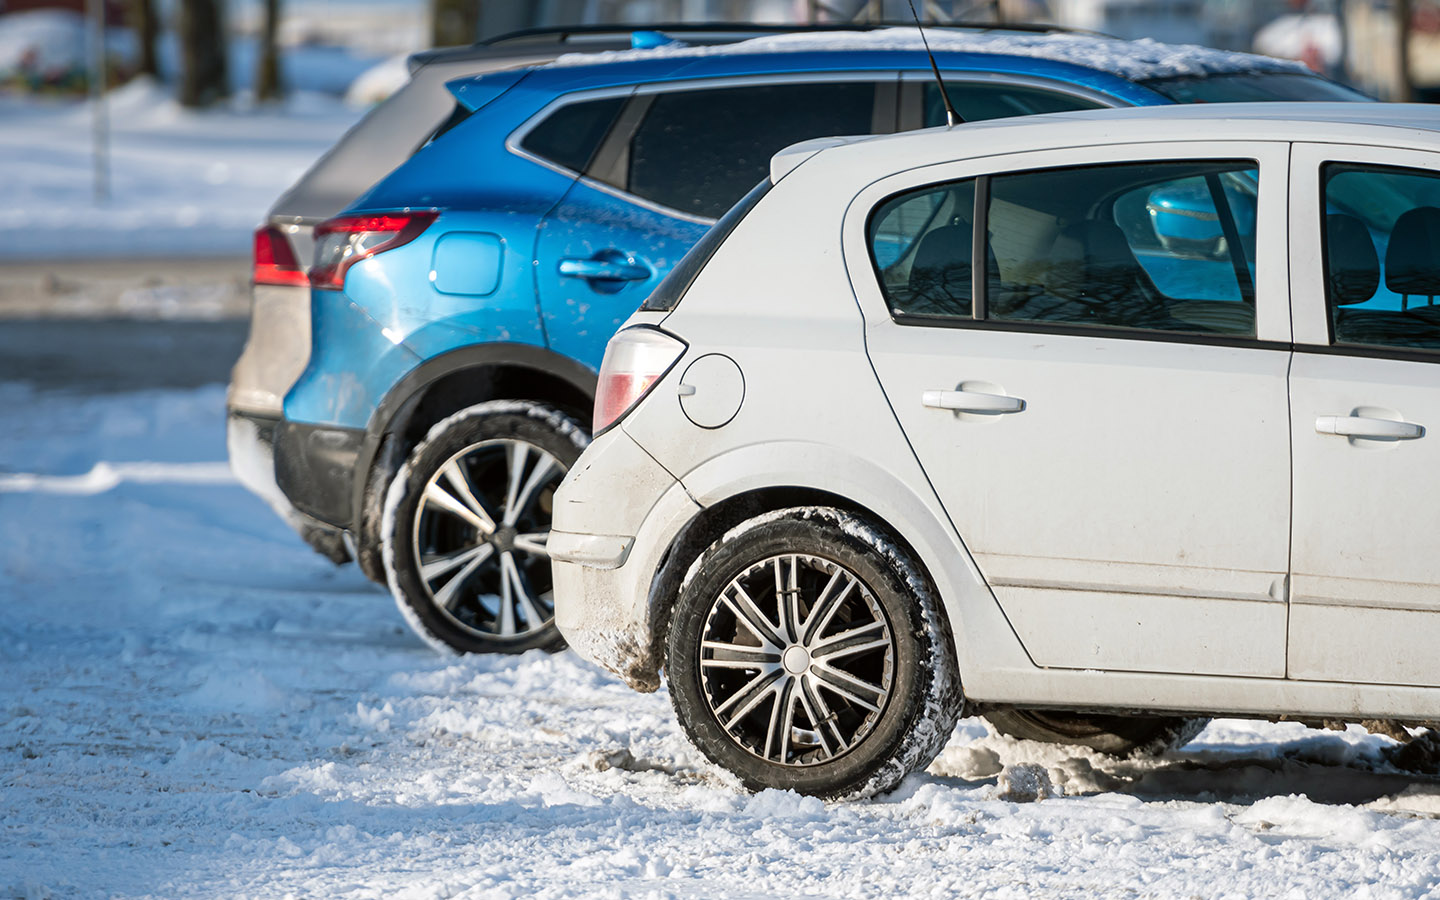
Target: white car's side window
[[1155, 246], [1382, 255], [921, 243]]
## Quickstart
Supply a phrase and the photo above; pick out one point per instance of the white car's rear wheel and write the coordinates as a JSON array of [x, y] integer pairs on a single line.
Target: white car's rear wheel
[[808, 653]]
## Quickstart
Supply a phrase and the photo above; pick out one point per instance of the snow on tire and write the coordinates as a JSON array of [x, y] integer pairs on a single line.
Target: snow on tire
[[465, 526], [807, 651]]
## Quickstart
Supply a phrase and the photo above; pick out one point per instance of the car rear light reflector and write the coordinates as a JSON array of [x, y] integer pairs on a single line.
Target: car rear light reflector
[[635, 359], [274, 259], [343, 241]]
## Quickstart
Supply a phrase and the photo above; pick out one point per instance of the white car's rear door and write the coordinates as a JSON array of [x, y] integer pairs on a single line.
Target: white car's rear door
[[1107, 428], [1366, 408]]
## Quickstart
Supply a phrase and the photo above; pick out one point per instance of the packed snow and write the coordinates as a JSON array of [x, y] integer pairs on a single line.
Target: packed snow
[[198, 706], [1135, 60]]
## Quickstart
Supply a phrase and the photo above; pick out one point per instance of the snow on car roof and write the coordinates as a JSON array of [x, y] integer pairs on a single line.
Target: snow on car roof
[[1134, 60]]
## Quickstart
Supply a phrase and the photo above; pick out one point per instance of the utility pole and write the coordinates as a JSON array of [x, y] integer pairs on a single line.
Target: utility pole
[[99, 115]]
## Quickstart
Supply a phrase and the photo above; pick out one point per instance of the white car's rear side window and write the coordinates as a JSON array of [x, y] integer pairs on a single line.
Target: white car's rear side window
[[1382, 255], [1157, 246]]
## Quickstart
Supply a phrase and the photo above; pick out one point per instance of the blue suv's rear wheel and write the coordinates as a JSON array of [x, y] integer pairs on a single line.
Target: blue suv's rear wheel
[[466, 523]]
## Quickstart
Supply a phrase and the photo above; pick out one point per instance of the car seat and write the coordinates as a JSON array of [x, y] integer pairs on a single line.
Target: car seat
[[1411, 267]]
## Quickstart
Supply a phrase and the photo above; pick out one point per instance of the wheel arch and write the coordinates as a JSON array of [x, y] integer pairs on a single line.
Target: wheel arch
[[443, 385], [729, 491]]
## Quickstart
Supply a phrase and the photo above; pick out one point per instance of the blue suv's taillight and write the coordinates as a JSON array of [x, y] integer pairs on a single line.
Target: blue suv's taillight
[[343, 241]]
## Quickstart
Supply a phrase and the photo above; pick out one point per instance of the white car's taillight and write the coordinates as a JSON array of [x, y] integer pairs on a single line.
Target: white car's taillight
[[274, 259], [343, 241], [635, 359]]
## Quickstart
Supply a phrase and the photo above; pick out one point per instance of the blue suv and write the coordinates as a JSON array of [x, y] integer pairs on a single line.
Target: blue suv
[[461, 308]]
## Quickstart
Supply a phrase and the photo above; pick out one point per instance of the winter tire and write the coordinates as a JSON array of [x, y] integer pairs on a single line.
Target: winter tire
[[808, 652], [466, 522], [1115, 735]]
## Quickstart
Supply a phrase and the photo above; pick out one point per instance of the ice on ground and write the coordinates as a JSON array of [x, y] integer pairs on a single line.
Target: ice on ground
[[196, 705]]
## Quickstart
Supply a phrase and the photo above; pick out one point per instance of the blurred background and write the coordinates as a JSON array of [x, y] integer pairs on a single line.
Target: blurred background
[[134, 194]]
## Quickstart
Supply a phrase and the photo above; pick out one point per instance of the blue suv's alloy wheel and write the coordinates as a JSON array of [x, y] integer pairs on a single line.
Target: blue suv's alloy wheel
[[466, 524]]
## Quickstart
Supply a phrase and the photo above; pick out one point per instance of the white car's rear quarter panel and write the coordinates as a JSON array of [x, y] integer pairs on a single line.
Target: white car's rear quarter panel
[[775, 298]]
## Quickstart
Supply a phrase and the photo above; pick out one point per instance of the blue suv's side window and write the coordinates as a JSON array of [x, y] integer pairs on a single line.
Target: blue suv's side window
[[569, 136], [976, 102], [699, 151]]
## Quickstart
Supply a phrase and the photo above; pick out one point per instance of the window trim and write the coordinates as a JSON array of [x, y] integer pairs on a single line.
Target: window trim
[[1066, 329], [1272, 156]]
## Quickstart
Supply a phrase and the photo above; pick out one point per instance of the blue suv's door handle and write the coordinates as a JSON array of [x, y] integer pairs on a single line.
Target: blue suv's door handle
[[607, 271]]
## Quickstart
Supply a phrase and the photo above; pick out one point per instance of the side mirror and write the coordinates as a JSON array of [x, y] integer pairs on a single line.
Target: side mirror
[[1185, 220]]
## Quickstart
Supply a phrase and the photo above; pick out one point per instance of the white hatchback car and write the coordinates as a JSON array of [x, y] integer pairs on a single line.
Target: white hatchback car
[[1162, 454]]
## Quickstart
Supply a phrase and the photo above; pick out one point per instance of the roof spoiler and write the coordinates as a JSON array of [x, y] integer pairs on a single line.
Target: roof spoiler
[[478, 90], [789, 159]]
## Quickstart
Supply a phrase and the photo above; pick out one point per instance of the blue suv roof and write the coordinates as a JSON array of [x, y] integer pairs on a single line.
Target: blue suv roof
[[1102, 63]]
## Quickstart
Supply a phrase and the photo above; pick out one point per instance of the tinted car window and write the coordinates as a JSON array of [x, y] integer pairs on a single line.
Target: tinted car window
[[921, 244], [1243, 88], [975, 102], [1156, 246], [1149, 245], [568, 136], [1382, 255], [700, 151]]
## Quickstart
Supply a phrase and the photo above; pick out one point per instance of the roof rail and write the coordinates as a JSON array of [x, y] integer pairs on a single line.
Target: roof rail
[[740, 30], [575, 38]]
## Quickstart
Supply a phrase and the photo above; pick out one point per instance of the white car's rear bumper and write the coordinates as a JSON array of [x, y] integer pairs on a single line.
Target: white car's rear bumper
[[616, 514]]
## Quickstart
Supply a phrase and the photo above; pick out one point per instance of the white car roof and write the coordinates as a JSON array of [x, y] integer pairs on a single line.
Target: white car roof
[[1392, 124]]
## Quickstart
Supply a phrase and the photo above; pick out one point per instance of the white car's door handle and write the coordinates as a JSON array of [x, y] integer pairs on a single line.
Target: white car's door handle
[[972, 401], [1363, 426]]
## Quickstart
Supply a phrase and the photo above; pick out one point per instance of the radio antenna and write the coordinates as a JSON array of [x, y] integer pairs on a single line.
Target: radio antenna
[[951, 116]]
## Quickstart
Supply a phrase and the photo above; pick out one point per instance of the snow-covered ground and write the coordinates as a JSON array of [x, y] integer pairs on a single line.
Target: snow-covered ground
[[194, 705], [182, 183]]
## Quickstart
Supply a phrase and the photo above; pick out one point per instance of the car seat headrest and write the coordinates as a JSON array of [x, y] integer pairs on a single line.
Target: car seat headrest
[[1412, 261], [1092, 259], [940, 271], [1352, 267]]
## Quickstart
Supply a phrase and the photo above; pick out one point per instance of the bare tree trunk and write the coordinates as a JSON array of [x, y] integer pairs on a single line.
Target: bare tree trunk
[[1405, 85], [141, 15], [203, 78], [268, 85], [454, 22]]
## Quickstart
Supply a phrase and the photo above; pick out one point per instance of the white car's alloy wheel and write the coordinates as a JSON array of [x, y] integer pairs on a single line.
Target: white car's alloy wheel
[[797, 659], [808, 652]]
